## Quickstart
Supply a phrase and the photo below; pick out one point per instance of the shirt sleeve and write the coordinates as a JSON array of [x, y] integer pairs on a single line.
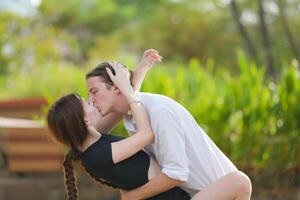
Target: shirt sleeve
[[170, 138], [101, 158], [129, 126]]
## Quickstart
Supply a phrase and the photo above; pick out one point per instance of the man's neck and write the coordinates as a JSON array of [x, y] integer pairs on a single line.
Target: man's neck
[[121, 106]]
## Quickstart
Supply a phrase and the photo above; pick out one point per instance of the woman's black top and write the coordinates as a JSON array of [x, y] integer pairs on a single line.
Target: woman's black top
[[128, 174]]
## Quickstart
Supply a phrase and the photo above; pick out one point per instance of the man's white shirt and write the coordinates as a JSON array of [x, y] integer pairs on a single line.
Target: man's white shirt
[[182, 149]]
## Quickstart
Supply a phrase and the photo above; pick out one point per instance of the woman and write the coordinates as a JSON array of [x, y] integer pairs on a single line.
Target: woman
[[111, 160]]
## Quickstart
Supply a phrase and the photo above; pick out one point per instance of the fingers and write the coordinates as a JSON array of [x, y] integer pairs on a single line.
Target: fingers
[[156, 57], [119, 69], [149, 51], [153, 54], [113, 64], [117, 66], [110, 74]]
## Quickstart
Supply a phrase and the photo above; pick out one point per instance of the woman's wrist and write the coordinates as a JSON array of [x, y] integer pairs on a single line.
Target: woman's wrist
[[133, 102], [132, 98], [143, 67], [128, 93]]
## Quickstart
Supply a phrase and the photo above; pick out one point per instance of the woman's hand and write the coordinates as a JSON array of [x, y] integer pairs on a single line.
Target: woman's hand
[[121, 79], [150, 57]]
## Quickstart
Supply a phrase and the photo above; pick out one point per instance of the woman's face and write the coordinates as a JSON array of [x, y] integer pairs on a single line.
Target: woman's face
[[92, 115]]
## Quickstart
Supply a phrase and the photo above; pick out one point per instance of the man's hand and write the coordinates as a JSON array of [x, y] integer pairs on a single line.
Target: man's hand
[[125, 195]]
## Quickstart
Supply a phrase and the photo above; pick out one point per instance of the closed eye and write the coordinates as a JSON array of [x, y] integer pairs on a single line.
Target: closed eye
[[94, 91]]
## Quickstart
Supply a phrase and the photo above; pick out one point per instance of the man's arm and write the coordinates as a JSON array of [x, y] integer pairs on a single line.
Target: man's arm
[[156, 185], [150, 57], [108, 122]]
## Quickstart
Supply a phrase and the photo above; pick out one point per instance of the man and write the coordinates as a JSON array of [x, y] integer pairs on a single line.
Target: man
[[186, 154]]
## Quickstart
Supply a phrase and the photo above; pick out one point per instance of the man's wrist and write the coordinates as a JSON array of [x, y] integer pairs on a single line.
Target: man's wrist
[[132, 195]]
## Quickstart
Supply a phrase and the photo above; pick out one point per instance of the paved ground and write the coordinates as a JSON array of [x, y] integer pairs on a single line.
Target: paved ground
[[51, 187]]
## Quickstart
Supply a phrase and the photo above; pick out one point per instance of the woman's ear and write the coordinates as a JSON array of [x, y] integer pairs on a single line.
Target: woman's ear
[[87, 122]]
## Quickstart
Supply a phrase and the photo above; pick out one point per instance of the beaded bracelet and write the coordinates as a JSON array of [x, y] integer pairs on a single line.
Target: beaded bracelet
[[137, 101]]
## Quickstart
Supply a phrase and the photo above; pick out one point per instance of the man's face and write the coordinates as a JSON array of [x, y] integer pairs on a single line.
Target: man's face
[[100, 94]]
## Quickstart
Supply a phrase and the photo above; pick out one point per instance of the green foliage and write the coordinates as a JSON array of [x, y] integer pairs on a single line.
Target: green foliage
[[253, 119], [51, 80], [76, 31]]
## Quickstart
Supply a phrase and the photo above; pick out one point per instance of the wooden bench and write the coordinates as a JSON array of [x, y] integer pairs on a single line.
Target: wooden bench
[[27, 147], [22, 108]]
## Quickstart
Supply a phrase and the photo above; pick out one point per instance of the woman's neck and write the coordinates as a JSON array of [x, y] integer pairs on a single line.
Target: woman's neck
[[92, 137]]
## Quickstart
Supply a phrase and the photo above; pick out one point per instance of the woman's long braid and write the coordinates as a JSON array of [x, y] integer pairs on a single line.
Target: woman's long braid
[[70, 178]]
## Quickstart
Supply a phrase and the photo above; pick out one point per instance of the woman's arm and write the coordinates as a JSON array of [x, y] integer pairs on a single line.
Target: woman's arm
[[150, 57], [144, 135]]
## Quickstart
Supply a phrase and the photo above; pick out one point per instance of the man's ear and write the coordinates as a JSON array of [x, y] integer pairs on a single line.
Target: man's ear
[[115, 89]]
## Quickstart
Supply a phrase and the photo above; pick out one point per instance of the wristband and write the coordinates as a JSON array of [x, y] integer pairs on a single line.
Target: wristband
[[137, 101]]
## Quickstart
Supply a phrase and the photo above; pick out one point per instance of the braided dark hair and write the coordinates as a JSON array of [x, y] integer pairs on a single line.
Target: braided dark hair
[[70, 177]]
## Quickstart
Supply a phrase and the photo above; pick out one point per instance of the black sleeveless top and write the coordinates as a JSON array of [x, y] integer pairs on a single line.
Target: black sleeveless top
[[128, 174]]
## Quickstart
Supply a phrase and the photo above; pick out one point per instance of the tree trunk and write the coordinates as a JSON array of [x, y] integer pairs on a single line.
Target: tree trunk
[[237, 17], [266, 39], [285, 26]]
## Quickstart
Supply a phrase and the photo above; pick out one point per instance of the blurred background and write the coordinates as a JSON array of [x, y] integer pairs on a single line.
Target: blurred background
[[234, 64]]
